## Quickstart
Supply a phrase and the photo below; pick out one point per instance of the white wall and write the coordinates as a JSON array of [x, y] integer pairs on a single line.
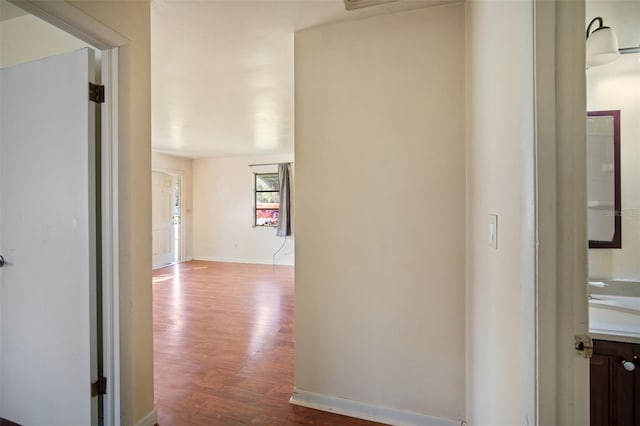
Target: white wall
[[380, 217], [616, 86], [499, 127], [223, 213], [184, 167]]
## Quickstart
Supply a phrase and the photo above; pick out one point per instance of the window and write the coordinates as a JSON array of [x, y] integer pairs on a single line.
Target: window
[[267, 199]]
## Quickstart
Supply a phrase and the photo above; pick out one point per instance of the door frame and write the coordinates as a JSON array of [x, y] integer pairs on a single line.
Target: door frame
[[110, 242], [84, 27], [180, 174], [562, 374]]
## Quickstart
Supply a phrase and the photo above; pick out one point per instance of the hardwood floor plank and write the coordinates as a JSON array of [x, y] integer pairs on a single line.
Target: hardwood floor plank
[[224, 347]]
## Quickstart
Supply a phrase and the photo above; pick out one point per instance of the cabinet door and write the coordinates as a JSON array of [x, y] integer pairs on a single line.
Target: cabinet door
[[636, 384], [613, 389]]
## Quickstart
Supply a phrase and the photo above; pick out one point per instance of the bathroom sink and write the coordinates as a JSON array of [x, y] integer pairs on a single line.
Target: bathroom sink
[[617, 315], [614, 302]]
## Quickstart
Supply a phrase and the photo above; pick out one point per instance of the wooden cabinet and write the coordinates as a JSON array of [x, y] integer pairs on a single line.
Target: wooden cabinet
[[615, 391]]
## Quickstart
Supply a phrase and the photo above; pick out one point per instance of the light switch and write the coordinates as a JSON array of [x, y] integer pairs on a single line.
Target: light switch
[[493, 231]]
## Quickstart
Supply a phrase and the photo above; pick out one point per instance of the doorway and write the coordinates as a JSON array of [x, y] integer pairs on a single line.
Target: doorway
[[613, 197], [78, 137], [166, 218]]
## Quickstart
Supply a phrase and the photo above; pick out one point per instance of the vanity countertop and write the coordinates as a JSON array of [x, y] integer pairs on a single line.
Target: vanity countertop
[[614, 337], [615, 318]]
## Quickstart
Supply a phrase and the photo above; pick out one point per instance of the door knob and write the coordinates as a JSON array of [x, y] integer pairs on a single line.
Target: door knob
[[1, 261], [628, 365]]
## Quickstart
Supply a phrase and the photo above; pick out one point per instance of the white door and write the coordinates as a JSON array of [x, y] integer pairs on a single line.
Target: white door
[[47, 238], [162, 219]]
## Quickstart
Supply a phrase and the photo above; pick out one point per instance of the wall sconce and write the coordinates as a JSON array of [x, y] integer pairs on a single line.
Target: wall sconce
[[602, 44]]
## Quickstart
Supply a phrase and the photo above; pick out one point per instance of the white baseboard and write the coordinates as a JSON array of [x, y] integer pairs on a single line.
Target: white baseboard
[[187, 259], [150, 419], [365, 411], [238, 260]]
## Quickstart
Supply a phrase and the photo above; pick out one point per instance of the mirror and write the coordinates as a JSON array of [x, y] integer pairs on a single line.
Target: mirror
[[604, 208]]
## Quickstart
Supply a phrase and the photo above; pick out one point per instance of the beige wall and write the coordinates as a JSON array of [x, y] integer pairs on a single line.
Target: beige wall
[[380, 216], [499, 130], [223, 213], [27, 38], [131, 19], [184, 167]]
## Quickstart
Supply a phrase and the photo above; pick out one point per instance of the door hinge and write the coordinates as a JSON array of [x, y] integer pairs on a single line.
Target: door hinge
[[96, 93], [99, 387], [584, 344]]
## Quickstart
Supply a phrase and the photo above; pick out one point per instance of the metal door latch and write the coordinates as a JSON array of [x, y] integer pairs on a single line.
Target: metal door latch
[[584, 344]]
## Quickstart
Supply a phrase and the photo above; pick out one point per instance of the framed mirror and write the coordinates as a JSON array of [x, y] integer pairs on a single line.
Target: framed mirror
[[604, 206]]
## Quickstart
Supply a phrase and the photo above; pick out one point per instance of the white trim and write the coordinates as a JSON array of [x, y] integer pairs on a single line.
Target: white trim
[[187, 259], [562, 374], [546, 211], [166, 265], [168, 171], [110, 253], [240, 260], [528, 234], [73, 21], [151, 419], [115, 235], [366, 411]]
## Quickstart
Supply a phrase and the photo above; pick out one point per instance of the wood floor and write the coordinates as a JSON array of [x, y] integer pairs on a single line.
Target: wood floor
[[223, 347]]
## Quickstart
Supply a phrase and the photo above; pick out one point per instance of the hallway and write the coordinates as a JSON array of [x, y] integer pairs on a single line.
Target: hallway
[[223, 347]]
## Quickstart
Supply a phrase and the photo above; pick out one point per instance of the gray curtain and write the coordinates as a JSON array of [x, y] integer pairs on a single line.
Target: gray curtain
[[284, 221]]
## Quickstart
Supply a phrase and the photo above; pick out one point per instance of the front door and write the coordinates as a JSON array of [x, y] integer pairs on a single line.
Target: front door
[[163, 218], [48, 241]]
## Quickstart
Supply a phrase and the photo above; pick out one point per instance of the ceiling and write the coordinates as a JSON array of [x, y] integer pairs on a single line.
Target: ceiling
[[222, 71]]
